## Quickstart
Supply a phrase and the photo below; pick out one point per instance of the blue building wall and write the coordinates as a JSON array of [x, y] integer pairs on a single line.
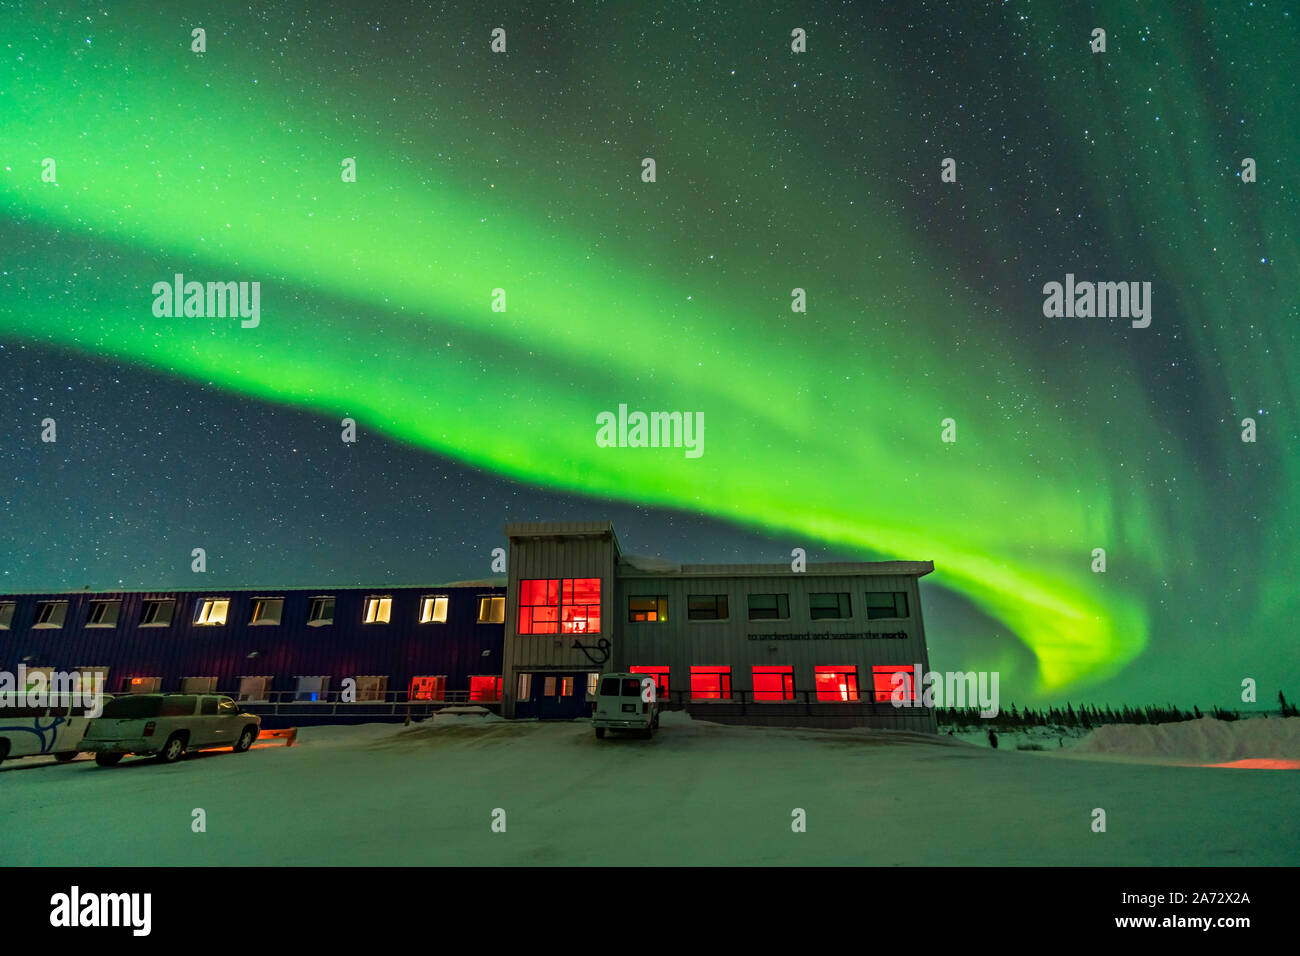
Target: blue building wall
[[398, 650]]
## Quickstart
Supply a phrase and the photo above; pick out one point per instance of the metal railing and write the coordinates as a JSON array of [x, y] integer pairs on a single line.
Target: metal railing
[[291, 703]]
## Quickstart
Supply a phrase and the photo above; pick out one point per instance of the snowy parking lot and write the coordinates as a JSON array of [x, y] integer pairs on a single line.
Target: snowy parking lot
[[482, 791]]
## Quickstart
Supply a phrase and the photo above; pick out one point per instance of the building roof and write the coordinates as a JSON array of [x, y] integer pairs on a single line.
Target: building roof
[[636, 566], [262, 589]]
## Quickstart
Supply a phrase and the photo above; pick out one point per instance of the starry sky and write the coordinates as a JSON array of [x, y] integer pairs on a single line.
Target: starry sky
[[775, 170]]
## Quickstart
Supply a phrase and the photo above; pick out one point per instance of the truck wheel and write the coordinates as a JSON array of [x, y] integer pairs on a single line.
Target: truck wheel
[[65, 756], [108, 760], [600, 733], [245, 739], [172, 750]]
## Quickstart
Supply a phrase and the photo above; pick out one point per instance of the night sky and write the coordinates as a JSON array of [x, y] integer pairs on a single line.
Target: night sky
[[775, 170]]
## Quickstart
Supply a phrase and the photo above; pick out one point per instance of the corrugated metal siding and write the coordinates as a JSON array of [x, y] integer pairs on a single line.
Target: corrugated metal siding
[[530, 558], [680, 643], [399, 650]]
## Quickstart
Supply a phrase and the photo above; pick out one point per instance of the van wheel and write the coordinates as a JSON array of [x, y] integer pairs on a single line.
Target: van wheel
[[65, 756], [172, 750], [600, 733], [245, 739], [108, 760]]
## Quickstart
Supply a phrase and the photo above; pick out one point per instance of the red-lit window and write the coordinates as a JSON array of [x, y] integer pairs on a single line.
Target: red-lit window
[[485, 688], [580, 606], [711, 683], [539, 606], [563, 606], [660, 676], [836, 683], [773, 683], [427, 688], [883, 677]]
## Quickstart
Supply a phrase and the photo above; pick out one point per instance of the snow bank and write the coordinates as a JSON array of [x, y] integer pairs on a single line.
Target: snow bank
[[1205, 740]]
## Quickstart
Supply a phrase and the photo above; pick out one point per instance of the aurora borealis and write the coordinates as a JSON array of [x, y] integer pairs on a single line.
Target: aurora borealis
[[775, 171]]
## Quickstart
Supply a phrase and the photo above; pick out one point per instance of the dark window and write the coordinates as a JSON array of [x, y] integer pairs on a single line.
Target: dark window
[[209, 706], [769, 607], [6, 614], [706, 607], [829, 606], [226, 707], [609, 687], [103, 613], [647, 608], [51, 614], [157, 613], [321, 612], [882, 604]]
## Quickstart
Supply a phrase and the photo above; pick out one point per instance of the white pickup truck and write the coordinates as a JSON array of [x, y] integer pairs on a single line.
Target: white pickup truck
[[626, 702], [168, 725]]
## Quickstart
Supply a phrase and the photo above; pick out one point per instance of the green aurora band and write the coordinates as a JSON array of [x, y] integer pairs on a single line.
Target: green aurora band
[[376, 295]]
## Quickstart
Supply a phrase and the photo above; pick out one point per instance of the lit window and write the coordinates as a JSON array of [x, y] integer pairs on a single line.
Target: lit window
[[378, 610], [372, 688], [769, 607], [836, 683], [212, 612], [647, 608], [254, 688], [539, 606], [157, 613], [580, 606], [141, 685], [485, 688], [660, 675], [103, 613], [525, 687], [711, 683], [433, 610], [6, 614], [491, 610], [428, 688], [321, 612], [773, 683], [883, 604], [198, 685], [267, 611], [548, 687], [592, 680], [883, 679], [834, 605], [706, 607], [51, 614], [564, 606]]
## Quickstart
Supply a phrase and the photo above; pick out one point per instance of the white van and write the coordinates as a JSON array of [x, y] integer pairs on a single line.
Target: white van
[[626, 702], [55, 730]]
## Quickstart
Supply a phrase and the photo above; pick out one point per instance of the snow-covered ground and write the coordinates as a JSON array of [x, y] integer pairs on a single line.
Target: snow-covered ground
[[698, 793]]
